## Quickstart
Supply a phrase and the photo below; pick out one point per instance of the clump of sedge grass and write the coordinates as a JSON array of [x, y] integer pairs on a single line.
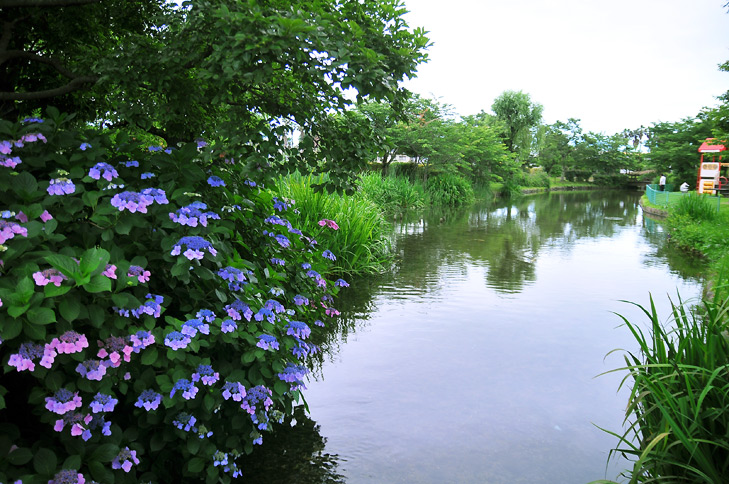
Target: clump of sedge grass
[[678, 412], [361, 244], [696, 206], [394, 194]]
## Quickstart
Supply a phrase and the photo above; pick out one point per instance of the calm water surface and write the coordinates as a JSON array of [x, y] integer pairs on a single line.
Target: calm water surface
[[476, 359]]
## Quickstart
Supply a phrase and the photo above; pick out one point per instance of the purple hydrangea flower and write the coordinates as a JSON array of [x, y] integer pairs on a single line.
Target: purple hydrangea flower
[[228, 326], [141, 339], [131, 164], [66, 476], [10, 162], [192, 214], [96, 422], [206, 375], [192, 326], [188, 389], [283, 241], [47, 276], [132, 201], [69, 342], [61, 186], [279, 262], [267, 342], [32, 120], [267, 313], [327, 254], [235, 277], [280, 205], [158, 195], [63, 401], [341, 282], [177, 340], [216, 181], [103, 170], [125, 460], [194, 246], [23, 359], [298, 329], [91, 369], [239, 309], [234, 390], [254, 396], [103, 403], [300, 300], [149, 400]]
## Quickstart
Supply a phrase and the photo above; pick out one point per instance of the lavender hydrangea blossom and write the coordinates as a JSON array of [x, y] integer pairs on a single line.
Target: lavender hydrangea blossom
[[194, 247], [103, 170]]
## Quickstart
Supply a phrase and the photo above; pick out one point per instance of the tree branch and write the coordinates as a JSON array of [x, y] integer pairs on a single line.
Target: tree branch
[[75, 84], [44, 3], [21, 54]]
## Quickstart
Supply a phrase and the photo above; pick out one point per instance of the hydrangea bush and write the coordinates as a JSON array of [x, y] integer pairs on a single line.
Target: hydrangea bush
[[155, 308]]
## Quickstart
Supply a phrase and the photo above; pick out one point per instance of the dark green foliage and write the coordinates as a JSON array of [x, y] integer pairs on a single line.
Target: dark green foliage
[[449, 190]]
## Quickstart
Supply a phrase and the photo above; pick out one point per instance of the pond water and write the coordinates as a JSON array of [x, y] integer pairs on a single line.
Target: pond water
[[476, 360]]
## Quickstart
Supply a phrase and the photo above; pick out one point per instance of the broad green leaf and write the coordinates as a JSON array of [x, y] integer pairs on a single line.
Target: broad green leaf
[[11, 328], [41, 316], [195, 465], [45, 462], [92, 259], [34, 331], [20, 456], [24, 289], [63, 263], [105, 452], [98, 283], [51, 290], [70, 309]]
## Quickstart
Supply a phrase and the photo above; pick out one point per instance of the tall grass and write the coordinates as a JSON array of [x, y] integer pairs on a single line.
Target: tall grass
[[696, 206], [678, 412], [361, 244], [393, 194], [449, 190]]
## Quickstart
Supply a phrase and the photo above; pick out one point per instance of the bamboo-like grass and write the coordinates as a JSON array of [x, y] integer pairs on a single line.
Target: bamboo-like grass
[[677, 419], [361, 244], [394, 194]]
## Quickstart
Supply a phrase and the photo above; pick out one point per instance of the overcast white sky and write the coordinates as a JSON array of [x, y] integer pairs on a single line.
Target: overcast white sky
[[613, 64]]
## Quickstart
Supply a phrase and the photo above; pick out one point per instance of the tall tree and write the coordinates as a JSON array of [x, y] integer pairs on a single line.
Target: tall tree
[[519, 115]]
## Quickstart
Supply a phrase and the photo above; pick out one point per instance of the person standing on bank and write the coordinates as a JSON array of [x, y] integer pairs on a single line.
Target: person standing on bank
[[662, 182]]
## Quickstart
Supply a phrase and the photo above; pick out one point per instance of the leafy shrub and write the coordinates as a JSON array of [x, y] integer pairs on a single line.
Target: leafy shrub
[[155, 306], [612, 181], [576, 175], [535, 179], [362, 243], [449, 190]]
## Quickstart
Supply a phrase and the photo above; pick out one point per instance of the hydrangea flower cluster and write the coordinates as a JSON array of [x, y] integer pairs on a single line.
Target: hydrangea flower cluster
[[216, 181], [193, 214], [139, 272], [327, 254], [206, 375], [235, 277], [69, 342], [298, 329], [194, 247], [258, 395], [234, 390], [294, 374], [228, 326], [185, 421], [186, 387], [151, 307], [103, 403], [61, 186], [138, 201], [47, 276], [9, 229], [239, 309], [267, 342], [68, 476], [125, 460], [103, 170], [149, 400], [77, 421], [24, 358], [63, 401], [115, 347], [92, 369], [192, 326], [177, 340]]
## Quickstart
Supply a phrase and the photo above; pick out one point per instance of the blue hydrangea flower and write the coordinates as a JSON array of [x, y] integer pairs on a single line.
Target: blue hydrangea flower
[[250, 183], [188, 389], [131, 164], [267, 342], [220, 458], [228, 326], [255, 396], [32, 120], [294, 373], [341, 282], [149, 400], [267, 313], [84, 146], [206, 375], [192, 326], [157, 194], [277, 262], [216, 181], [194, 247], [206, 315], [280, 205], [298, 329], [177, 340], [185, 421], [103, 403], [305, 266], [192, 214], [327, 254], [239, 309], [132, 201], [283, 241], [147, 176]]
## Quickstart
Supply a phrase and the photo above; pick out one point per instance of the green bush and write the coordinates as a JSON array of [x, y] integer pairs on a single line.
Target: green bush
[[536, 179], [155, 306], [361, 242], [449, 190]]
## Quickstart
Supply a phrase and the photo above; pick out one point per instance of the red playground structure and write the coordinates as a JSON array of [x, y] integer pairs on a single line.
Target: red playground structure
[[710, 179]]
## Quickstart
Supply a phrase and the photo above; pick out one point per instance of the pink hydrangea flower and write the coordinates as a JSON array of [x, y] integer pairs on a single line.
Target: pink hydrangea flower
[[329, 223], [45, 216], [53, 276], [110, 271]]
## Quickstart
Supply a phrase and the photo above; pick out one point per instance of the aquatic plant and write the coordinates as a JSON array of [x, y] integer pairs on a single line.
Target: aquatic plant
[[677, 418], [394, 194], [449, 189]]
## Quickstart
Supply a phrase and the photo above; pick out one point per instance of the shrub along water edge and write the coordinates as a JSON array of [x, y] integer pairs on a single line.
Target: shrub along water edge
[[394, 194]]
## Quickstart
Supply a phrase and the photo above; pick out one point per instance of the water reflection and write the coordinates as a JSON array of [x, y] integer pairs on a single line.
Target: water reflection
[[474, 360]]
